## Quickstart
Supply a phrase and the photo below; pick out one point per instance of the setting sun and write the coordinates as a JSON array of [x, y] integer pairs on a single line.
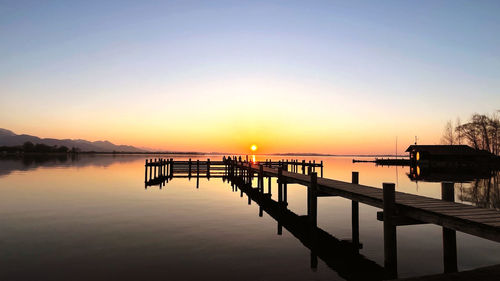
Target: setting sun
[[253, 147]]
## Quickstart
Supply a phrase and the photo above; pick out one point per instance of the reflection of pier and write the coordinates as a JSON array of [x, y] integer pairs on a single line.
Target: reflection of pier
[[399, 208], [340, 255]]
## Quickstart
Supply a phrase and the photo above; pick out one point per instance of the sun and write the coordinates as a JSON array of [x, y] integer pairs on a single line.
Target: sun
[[253, 147]]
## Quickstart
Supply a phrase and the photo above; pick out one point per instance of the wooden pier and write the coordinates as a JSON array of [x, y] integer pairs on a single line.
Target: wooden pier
[[399, 209]]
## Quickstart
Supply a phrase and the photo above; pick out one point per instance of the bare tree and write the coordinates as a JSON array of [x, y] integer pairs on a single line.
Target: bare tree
[[458, 135], [481, 132], [448, 137]]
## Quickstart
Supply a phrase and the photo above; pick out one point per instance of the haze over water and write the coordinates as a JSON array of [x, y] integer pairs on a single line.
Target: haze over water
[[92, 218]]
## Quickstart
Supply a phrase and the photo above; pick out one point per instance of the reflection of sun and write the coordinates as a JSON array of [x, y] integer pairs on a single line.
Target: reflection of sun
[[253, 147]]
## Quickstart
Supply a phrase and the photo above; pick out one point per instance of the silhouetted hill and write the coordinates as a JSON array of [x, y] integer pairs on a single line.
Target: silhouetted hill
[[9, 138], [6, 133]]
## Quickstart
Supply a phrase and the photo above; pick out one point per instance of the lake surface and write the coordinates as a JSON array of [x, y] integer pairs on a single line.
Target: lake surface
[[91, 218]]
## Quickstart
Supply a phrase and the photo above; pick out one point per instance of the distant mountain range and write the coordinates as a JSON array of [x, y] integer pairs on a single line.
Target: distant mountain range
[[9, 138]]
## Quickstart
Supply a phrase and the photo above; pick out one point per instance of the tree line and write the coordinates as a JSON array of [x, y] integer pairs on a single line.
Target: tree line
[[481, 132], [29, 147]]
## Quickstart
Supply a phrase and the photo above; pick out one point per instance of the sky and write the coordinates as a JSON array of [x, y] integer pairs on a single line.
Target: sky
[[340, 77]]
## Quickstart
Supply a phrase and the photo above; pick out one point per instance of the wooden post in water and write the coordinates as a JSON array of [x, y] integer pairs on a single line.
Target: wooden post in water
[[312, 200], [355, 215], [269, 185], [314, 165], [150, 168], [321, 168], [171, 167], [154, 168], [449, 235], [285, 191], [303, 167], [280, 184], [189, 169], [208, 168], [390, 241], [197, 168], [146, 172], [261, 178]]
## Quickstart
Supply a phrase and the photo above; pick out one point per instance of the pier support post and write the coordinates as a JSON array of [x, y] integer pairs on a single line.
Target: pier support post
[[390, 241], [321, 168], [269, 185], [303, 167], [449, 235], [154, 169], [208, 168], [280, 184], [312, 200], [190, 163], [355, 215], [285, 192], [197, 168], [146, 172], [171, 167], [261, 178], [150, 168]]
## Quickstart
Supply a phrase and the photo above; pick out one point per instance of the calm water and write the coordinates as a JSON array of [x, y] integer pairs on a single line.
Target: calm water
[[92, 219]]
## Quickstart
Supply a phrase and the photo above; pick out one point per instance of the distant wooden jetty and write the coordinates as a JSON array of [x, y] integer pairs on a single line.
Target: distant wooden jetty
[[386, 161], [399, 208]]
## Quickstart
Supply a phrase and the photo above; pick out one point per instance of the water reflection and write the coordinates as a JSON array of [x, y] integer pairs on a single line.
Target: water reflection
[[46, 214], [479, 186], [483, 192], [340, 255], [12, 163]]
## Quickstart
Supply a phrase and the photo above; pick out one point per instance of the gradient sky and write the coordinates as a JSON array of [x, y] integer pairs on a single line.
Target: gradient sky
[[308, 76]]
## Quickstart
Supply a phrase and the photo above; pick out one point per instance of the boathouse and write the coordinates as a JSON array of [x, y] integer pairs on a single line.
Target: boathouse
[[447, 153]]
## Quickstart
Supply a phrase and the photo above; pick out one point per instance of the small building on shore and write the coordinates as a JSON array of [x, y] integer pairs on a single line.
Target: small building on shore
[[448, 153]]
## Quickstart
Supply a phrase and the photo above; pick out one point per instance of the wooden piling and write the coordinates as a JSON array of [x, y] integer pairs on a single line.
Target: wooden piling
[[261, 178], [190, 163], [150, 168], [390, 237], [208, 168], [146, 171], [449, 235], [269, 185], [154, 168], [280, 184], [355, 215], [312, 200]]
